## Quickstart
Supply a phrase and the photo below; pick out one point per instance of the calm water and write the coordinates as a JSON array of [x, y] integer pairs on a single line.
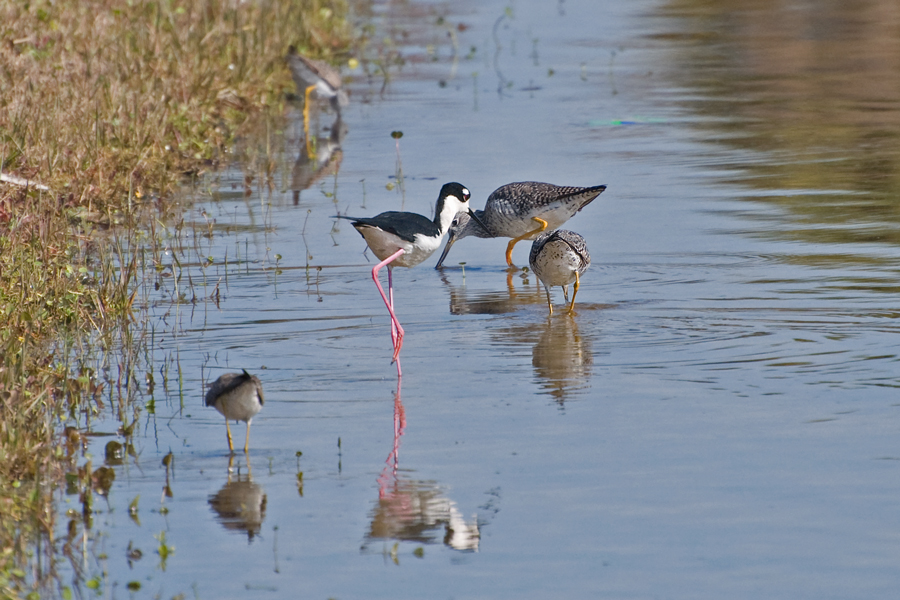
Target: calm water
[[718, 420]]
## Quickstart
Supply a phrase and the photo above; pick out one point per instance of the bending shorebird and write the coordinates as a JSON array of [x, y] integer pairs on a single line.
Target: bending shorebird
[[559, 258], [405, 239], [309, 75], [521, 211], [239, 397]]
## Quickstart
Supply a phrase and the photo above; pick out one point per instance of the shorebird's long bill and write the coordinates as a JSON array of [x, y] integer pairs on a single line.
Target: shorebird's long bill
[[450, 239]]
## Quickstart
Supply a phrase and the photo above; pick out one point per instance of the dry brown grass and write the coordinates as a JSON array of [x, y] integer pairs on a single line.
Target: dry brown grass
[[108, 104], [101, 97]]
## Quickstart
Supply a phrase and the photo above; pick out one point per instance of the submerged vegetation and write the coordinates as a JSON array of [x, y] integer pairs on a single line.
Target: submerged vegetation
[[105, 108]]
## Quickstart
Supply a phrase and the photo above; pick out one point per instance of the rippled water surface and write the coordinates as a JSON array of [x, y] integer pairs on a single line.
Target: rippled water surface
[[719, 419]]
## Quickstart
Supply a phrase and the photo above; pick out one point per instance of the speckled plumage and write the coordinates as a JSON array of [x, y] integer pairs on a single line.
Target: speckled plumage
[[511, 210], [559, 258], [237, 397]]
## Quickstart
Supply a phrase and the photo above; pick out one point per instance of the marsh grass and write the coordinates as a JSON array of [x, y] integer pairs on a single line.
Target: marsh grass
[[110, 105]]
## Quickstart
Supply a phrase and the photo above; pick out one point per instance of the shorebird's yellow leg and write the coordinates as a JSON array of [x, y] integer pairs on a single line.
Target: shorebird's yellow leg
[[549, 304], [516, 240], [574, 293], [247, 443], [309, 148], [228, 430]]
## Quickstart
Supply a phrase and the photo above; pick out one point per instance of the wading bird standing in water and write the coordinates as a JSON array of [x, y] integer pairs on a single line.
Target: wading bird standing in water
[[405, 239], [559, 258], [238, 397]]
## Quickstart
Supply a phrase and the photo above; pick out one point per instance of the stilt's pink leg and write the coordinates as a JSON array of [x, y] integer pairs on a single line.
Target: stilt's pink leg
[[391, 298], [398, 341]]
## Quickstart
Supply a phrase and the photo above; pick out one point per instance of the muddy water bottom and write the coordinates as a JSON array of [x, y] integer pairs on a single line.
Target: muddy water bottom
[[717, 419]]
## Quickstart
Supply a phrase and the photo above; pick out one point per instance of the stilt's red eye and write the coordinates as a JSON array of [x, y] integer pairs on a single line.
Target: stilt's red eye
[[466, 195]]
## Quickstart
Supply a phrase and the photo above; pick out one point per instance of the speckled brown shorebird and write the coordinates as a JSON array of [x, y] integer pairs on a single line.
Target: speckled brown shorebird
[[521, 211], [559, 258], [238, 397]]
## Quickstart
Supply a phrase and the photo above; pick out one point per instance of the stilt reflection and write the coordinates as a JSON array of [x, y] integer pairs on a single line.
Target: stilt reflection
[[410, 510]]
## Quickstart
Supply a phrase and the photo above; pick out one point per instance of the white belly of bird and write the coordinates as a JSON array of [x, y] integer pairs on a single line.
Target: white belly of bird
[[556, 264], [383, 245], [238, 405]]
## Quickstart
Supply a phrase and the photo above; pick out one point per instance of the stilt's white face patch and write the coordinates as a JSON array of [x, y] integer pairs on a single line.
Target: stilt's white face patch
[[466, 195]]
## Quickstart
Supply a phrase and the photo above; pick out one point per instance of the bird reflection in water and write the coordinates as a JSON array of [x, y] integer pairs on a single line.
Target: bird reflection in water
[[241, 504], [467, 302], [312, 75], [562, 358], [313, 166], [411, 510]]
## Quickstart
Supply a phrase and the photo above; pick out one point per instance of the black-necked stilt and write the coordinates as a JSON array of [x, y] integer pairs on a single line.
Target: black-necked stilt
[[238, 397], [559, 258], [310, 74], [405, 239], [521, 211]]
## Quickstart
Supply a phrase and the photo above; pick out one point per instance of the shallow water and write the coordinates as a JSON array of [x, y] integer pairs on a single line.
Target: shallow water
[[717, 420]]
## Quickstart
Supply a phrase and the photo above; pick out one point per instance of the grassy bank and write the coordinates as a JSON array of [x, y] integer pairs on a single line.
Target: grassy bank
[[105, 107]]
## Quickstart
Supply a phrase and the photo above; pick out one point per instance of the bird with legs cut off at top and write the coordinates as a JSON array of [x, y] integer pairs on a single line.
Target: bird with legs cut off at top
[[521, 211], [405, 239]]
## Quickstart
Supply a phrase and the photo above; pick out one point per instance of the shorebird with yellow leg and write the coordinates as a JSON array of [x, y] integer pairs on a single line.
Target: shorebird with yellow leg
[[521, 211], [309, 75], [405, 239], [559, 258], [238, 397]]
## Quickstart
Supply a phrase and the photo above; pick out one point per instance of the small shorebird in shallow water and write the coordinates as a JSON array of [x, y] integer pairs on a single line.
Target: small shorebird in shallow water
[[521, 211], [238, 397], [310, 74], [405, 239], [559, 258]]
